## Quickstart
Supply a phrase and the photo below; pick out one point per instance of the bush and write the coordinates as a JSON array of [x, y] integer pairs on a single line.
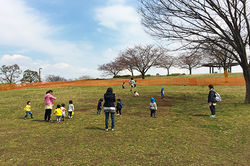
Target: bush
[[176, 74], [123, 76], [129, 76]]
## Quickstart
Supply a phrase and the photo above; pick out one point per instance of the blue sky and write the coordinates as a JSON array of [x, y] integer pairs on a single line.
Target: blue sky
[[69, 38]]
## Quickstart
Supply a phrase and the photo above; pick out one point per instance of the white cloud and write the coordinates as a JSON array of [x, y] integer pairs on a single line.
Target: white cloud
[[62, 69], [23, 27], [109, 54], [124, 21], [115, 16]]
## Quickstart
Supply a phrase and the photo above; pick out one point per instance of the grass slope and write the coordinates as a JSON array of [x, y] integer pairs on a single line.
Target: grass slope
[[182, 133]]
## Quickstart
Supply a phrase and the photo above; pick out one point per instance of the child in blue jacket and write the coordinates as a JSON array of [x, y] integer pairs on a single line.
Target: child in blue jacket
[[119, 106]]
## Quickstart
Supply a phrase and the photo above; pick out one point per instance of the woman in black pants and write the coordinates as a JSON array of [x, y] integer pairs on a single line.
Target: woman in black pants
[[109, 107]]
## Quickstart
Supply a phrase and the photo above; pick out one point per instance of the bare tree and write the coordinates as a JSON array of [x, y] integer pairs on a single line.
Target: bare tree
[[125, 62], [166, 62], [189, 61], [112, 68], [53, 78], [197, 22], [143, 58], [30, 76], [218, 56], [10, 73]]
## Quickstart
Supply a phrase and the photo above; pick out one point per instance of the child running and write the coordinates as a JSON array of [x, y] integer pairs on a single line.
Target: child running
[[58, 113], [63, 111], [28, 110], [119, 107], [71, 109], [99, 107], [153, 107]]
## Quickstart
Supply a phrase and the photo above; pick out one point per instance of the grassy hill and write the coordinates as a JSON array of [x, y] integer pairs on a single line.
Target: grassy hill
[[182, 133]]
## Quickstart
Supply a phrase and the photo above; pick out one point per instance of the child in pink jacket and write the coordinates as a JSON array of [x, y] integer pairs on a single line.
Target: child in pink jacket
[[48, 101]]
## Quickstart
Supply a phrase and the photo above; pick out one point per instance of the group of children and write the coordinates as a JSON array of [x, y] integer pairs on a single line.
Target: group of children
[[119, 106], [60, 111]]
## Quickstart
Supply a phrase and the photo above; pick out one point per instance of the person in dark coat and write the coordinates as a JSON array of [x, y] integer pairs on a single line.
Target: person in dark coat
[[109, 108], [119, 106], [99, 107], [211, 100]]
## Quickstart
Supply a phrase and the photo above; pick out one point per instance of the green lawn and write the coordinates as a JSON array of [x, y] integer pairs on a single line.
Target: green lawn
[[182, 133]]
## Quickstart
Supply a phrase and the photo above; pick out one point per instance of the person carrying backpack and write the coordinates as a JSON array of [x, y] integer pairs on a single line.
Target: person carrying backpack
[[213, 98]]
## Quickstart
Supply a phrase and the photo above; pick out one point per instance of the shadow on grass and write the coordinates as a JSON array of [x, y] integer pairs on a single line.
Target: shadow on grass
[[43, 121], [200, 115], [94, 128]]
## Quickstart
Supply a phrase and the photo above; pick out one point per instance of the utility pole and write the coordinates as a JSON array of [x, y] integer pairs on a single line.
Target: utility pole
[[40, 80]]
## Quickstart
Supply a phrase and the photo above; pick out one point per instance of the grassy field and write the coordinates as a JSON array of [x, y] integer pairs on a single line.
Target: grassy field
[[182, 133]]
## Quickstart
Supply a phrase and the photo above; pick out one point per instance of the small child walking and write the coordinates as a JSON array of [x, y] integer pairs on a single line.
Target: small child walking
[[123, 85], [162, 93], [119, 106], [153, 107], [99, 106], [58, 113], [28, 110], [71, 109], [63, 111]]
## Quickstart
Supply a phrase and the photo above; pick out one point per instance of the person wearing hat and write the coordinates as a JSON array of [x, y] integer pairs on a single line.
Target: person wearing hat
[[153, 107]]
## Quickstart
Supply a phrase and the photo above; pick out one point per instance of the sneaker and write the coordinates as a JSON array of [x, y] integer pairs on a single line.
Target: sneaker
[[106, 129], [24, 118], [112, 129], [211, 116]]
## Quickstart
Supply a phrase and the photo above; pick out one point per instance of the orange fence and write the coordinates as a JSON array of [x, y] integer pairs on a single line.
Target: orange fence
[[153, 81]]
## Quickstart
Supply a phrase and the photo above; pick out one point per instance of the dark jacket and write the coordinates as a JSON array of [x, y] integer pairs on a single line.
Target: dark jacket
[[99, 105], [109, 99], [119, 106], [211, 96]]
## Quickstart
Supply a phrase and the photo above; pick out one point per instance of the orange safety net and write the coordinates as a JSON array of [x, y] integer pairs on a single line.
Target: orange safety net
[[152, 81]]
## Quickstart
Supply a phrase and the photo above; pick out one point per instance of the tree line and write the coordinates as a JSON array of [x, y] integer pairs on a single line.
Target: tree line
[[141, 58], [11, 74], [200, 24]]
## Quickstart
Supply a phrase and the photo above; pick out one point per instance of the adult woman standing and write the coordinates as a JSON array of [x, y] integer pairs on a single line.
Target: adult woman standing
[[48, 101], [109, 107]]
